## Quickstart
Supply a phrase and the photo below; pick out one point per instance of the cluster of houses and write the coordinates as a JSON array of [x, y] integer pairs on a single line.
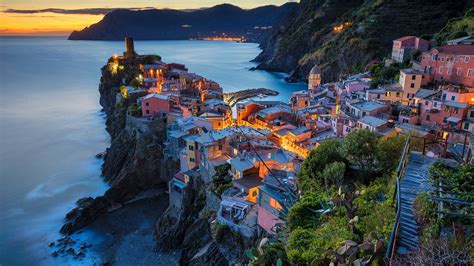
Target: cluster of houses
[[261, 147]]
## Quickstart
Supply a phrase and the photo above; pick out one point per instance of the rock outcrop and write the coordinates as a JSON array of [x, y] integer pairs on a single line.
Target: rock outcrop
[[133, 163]]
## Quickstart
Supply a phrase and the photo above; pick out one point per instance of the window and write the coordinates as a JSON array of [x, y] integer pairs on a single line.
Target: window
[[274, 204], [448, 70], [444, 97], [378, 96], [435, 104], [446, 109], [456, 110], [466, 125], [469, 72], [440, 70], [459, 71], [191, 147], [413, 77], [412, 85], [192, 160], [427, 117], [453, 98], [398, 94], [427, 103], [471, 114], [220, 147], [466, 59], [147, 112]]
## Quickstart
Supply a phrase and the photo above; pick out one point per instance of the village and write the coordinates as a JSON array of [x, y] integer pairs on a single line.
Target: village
[[251, 154]]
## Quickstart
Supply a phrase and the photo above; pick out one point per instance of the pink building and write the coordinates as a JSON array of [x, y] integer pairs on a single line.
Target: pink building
[[402, 47], [451, 114], [452, 63], [155, 104]]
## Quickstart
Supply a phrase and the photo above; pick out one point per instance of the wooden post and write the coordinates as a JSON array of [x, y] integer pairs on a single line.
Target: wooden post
[[464, 147]]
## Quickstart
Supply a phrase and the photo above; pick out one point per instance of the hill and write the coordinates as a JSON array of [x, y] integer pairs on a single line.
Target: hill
[[343, 36], [168, 24]]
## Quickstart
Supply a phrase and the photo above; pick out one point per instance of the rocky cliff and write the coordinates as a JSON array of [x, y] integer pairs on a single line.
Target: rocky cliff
[[343, 36], [133, 163]]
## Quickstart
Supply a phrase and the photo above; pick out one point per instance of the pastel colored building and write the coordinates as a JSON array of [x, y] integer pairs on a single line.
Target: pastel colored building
[[362, 109], [402, 47], [372, 123], [451, 114], [452, 63], [457, 94], [299, 99], [155, 104]]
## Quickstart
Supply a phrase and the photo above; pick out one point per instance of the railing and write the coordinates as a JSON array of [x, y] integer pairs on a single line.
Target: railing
[[400, 171]]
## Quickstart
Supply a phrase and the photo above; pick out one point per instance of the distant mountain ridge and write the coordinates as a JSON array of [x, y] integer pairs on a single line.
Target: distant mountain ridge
[[169, 24]]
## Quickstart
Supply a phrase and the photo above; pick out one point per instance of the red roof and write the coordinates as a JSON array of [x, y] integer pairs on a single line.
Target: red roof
[[460, 49], [405, 38]]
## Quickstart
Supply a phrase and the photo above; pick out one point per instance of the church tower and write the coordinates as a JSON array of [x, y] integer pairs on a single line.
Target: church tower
[[314, 79]]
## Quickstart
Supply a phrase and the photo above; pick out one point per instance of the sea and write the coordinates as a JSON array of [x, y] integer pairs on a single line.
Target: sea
[[51, 126]]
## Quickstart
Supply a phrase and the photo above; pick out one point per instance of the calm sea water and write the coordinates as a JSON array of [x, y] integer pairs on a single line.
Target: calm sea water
[[51, 126]]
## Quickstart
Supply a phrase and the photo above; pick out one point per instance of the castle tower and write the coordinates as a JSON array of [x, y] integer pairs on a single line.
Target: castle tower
[[314, 79], [129, 48]]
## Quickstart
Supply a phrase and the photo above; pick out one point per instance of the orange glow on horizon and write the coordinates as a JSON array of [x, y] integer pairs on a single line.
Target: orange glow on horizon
[[47, 23]]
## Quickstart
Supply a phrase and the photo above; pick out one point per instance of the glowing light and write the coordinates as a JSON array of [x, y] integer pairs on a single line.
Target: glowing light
[[115, 56], [341, 26]]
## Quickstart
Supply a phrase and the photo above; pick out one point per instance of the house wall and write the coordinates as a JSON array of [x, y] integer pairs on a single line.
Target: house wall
[[154, 106], [453, 68], [267, 220]]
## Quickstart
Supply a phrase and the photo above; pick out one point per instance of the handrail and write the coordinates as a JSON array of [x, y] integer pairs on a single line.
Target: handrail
[[400, 171]]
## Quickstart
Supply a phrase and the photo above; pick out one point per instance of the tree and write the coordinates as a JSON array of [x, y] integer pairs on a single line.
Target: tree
[[359, 148], [310, 176], [334, 174], [388, 153]]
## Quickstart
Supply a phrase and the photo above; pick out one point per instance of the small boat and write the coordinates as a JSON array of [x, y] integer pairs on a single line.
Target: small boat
[[261, 95]]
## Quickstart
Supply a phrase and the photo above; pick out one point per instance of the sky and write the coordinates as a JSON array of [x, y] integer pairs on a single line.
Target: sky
[[60, 17]]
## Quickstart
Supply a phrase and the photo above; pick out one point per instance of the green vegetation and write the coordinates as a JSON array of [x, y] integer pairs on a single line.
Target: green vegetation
[[308, 37], [456, 28], [347, 204], [221, 180], [135, 110]]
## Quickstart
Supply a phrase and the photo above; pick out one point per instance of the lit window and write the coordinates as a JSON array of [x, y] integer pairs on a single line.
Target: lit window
[[274, 204]]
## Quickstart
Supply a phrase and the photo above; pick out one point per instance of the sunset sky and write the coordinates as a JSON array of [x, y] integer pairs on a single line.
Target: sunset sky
[[35, 17]]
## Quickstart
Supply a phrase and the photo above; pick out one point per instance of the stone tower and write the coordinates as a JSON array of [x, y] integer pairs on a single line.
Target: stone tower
[[314, 79], [129, 48]]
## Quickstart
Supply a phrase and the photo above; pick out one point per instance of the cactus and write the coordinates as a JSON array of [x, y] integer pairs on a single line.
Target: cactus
[[349, 251]]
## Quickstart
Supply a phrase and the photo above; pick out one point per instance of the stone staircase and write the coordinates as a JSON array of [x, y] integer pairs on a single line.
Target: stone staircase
[[415, 180]]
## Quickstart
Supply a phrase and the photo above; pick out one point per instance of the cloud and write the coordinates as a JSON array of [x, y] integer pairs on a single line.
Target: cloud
[[84, 11]]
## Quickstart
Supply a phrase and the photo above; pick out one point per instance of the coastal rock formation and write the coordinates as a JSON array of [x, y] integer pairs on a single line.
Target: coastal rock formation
[[133, 164]]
